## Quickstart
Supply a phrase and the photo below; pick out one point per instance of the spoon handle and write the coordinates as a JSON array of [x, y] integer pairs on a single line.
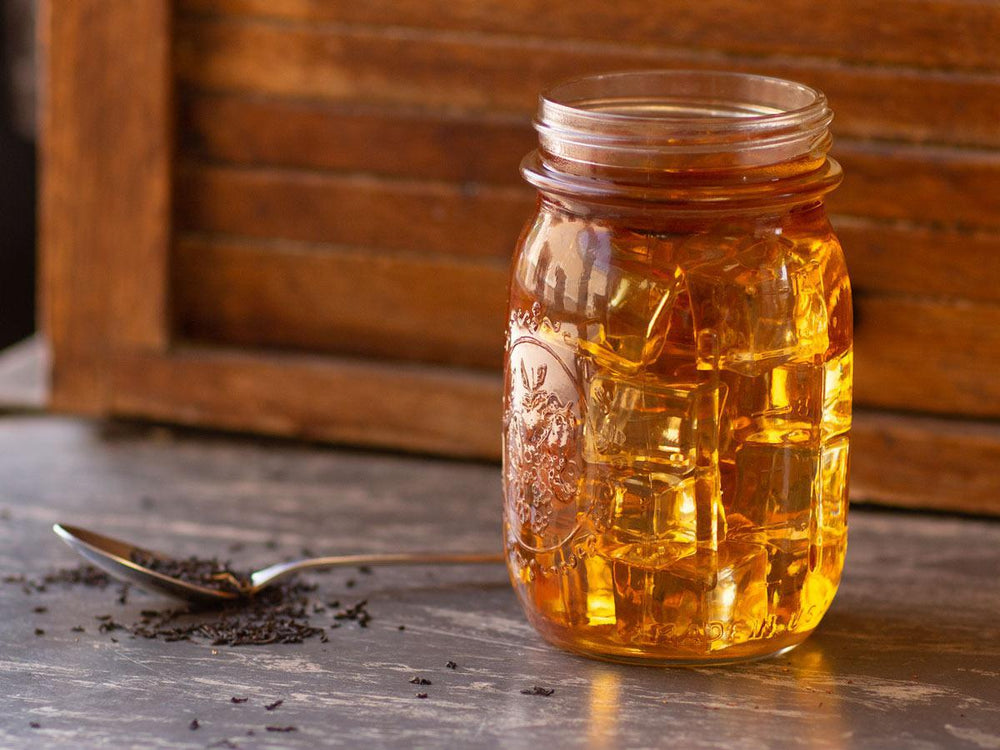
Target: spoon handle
[[269, 575]]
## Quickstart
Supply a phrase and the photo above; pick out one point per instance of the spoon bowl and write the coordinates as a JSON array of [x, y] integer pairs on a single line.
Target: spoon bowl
[[122, 560]]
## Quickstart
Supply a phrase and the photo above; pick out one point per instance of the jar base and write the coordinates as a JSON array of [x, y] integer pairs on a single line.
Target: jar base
[[639, 656]]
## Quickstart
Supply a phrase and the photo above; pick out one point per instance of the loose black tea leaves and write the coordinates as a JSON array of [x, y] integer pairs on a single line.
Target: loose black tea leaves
[[451, 665], [272, 706], [421, 695], [210, 573], [34, 725], [357, 613], [419, 681], [234, 699], [536, 690], [281, 729], [278, 614], [194, 725]]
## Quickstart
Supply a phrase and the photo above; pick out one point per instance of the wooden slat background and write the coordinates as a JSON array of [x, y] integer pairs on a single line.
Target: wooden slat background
[[346, 184]]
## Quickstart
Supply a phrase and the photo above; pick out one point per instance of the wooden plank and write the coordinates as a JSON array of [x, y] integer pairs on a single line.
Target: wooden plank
[[105, 186], [925, 462], [883, 180], [411, 407], [935, 356], [341, 300], [433, 217], [462, 72], [920, 183], [393, 141], [918, 259], [469, 220], [907, 32], [899, 460]]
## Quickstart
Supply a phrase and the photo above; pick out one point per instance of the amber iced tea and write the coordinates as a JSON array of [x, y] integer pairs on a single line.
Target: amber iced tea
[[677, 412]]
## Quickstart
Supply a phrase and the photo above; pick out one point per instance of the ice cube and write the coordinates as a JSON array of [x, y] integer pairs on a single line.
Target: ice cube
[[627, 312], [643, 423], [776, 486], [764, 301], [837, 393], [719, 597], [834, 468], [654, 521], [783, 406]]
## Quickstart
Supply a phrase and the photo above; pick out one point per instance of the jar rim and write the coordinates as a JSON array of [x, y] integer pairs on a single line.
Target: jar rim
[[691, 136], [677, 102]]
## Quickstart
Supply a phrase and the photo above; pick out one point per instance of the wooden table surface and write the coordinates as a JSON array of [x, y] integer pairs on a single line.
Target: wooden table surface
[[908, 657]]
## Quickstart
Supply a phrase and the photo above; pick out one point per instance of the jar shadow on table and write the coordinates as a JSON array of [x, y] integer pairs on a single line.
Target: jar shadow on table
[[893, 636]]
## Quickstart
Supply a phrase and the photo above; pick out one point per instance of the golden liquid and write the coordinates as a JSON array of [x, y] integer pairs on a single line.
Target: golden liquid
[[676, 435]]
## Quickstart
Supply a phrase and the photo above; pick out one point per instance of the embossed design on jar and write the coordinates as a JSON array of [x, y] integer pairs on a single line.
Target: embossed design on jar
[[542, 438]]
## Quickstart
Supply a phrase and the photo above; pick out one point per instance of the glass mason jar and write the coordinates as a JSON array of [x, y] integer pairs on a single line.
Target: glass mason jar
[[678, 370]]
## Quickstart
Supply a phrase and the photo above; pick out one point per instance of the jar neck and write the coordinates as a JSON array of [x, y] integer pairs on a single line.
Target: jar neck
[[688, 141]]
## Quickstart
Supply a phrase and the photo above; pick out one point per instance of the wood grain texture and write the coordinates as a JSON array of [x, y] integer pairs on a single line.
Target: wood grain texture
[[491, 73], [483, 221], [920, 259], [921, 33], [900, 460], [413, 142], [883, 179], [105, 187], [914, 462], [341, 300], [406, 406], [470, 221], [908, 656], [934, 356]]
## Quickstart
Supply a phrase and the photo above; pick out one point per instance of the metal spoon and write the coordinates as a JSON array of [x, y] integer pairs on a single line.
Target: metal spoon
[[116, 557]]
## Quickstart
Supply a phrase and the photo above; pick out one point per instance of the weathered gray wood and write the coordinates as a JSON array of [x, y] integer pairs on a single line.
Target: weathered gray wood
[[909, 656], [24, 376]]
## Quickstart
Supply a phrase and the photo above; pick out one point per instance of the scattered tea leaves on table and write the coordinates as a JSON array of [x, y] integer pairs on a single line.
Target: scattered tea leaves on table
[[272, 706], [194, 725], [537, 690], [281, 729], [234, 699], [416, 680]]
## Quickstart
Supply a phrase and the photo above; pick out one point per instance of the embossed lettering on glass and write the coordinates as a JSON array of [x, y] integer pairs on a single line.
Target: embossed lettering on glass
[[678, 370]]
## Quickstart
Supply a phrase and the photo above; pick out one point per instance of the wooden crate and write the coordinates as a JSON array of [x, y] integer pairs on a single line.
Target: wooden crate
[[295, 216]]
